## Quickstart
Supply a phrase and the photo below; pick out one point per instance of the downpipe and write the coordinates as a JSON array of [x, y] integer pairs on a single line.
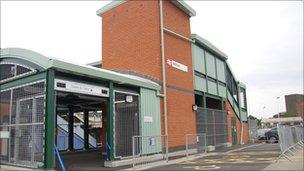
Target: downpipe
[[164, 95]]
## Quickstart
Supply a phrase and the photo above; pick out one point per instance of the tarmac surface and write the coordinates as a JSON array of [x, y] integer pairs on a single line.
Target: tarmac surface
[[239, 157], [251, 158]]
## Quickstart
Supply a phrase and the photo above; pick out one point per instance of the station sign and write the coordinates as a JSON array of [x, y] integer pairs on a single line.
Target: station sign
[[81, 88], [177, 65]]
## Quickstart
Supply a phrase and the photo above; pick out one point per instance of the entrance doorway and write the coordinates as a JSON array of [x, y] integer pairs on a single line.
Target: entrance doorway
[[81, 129], [126, 122]]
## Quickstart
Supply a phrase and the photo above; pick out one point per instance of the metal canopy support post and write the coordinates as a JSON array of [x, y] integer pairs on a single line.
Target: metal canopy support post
[[71, 128], [49, 156], [110, 128], [86, 129]]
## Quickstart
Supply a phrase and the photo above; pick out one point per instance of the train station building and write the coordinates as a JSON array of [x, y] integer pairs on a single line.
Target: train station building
[[154, 79]]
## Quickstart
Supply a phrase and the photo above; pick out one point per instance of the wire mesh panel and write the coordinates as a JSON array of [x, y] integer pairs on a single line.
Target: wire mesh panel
[[253, 129], [147, 150], [22, 123], [299, 133], [196, 144], [214, 124], [126, 120], [289, 135]]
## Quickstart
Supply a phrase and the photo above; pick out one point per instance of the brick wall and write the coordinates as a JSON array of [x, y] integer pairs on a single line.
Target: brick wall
[[300, 109], [131, 42], [232, 114], [131, 38]]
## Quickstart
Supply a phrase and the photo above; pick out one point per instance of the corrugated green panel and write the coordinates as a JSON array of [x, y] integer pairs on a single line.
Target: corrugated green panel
[[230, 98], [210, 62], [198, 59], [244, 115], [236, 109], [150, 120], [200, 84], [222, 91], [212, 89], [220, 70]]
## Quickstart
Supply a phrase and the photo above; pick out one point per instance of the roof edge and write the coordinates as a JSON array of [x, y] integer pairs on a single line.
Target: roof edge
[[109, 6], [94, 63], [184, 7], [200, 40], [179, 3], [28, 55]]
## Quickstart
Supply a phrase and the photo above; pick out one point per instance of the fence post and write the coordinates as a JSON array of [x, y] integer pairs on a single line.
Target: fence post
[[133, 151], [167, 148], [205, 143], [186, 146], [214, 137]]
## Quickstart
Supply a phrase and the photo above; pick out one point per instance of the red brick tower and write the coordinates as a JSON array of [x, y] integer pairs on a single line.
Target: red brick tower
[[131, 43]]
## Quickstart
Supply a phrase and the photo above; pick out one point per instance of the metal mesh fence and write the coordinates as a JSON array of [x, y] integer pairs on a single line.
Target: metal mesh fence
[[149, 149], [196, 144], [299, 133], [253, 129], [289, 135], [214, 124], [22, 124]]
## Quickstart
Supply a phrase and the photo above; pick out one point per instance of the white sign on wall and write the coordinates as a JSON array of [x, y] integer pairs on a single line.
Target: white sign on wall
[[148, 119], [82, 88], [4, 134], [177, 65]]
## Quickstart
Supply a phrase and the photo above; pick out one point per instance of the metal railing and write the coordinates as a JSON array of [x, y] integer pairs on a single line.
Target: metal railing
[[149, 149], [291, 140], [196, 144]]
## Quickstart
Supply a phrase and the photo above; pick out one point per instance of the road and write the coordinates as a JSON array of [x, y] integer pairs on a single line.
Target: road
[[251, 158]]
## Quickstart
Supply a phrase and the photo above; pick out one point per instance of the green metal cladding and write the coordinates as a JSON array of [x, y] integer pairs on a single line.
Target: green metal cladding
[[150, 119], [210, 62], [222, 91], [198, 59], [200, 83], [220, 66], [212, 88]]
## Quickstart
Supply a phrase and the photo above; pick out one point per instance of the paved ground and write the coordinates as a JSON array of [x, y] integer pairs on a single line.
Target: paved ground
[[284, 164], [252, 158], [86, 161]]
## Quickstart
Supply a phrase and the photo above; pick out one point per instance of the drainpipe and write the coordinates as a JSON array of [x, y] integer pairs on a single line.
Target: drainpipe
[[163, 71]]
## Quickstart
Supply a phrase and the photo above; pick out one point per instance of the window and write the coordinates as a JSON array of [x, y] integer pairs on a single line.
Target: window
[[243, 99], [10, 71]]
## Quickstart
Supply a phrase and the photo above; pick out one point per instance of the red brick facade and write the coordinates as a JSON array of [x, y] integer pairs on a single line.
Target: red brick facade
[[300, 109], [131, 38], [232, 114]]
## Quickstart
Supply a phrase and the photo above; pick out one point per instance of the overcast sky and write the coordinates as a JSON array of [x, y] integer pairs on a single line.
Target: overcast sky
[[263, 40]]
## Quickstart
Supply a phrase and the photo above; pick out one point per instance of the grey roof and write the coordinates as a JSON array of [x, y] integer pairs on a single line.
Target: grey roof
[[179, 3], [77, 69], [205, 43], [94, 63]]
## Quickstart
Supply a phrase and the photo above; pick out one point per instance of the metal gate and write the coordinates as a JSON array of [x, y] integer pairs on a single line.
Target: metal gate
[[23, 124], [233, 131], [126, 123], [214, 123]]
